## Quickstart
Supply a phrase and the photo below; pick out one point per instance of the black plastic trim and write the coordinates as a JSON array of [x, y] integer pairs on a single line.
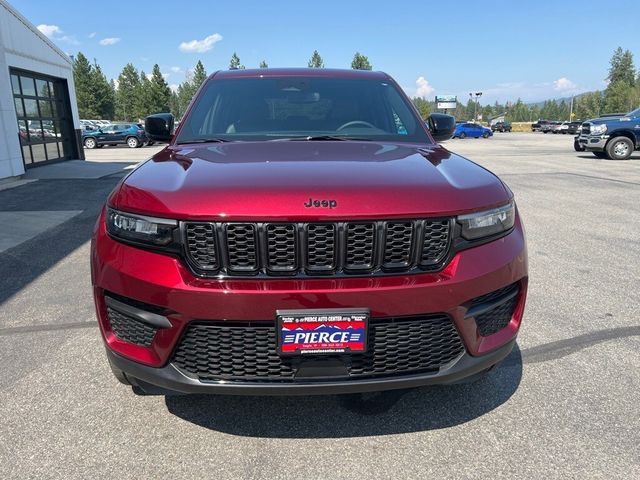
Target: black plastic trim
[[477, 310], [170, 379], [149, 318]]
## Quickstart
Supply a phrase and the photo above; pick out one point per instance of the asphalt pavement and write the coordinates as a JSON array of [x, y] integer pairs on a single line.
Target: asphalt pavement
[[564, 404]]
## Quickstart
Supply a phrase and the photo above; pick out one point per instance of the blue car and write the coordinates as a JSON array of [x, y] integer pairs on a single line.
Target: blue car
[[130, 134], [474, 130]]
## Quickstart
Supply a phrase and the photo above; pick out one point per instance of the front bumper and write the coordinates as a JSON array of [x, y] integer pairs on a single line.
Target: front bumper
[[170, 379], [593, 143], [165, 282]]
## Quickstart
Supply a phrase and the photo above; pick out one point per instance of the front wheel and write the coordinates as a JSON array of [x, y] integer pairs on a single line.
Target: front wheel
[[619, 148], [577, 146], [90, 143], [462, 135], [485, 135], [133, 142]]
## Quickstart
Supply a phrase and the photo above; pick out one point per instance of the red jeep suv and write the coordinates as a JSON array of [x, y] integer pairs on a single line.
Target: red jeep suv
[[302, 233]]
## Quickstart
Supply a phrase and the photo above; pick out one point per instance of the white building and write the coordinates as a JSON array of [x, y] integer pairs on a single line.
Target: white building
[[38, 111]]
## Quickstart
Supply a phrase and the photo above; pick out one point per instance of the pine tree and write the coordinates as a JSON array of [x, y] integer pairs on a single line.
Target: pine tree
[[199, 76], [263, 64], [316, 60], [621, 68], [360, 62], [160, 94], [143, 105], [234, 63], [128, 89], [103, 93], [83, 80]]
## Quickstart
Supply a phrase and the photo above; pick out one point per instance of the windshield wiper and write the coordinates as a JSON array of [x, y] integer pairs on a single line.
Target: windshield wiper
[[204, 140], [320, 138]]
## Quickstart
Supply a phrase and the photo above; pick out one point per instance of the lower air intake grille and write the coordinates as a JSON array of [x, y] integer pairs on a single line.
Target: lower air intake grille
[[129, 329], [495, 319], [246, 352]]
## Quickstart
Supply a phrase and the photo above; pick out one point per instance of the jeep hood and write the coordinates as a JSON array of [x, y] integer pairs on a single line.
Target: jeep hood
[[274, 180]]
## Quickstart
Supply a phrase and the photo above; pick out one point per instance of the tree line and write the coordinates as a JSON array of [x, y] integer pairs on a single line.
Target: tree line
[[134, 94], [621, 96]]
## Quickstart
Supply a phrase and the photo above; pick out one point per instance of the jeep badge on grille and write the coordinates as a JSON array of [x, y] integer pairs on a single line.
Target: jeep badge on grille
[[320, 203]]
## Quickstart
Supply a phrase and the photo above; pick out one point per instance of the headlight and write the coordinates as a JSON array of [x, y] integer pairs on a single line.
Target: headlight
[[139, 228], [598, 129], [487, 223]]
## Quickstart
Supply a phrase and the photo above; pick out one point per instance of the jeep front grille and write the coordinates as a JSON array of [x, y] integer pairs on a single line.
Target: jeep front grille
[[316, 249]]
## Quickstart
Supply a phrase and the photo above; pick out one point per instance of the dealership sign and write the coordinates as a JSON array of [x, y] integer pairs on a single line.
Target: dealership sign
[[446, 101]]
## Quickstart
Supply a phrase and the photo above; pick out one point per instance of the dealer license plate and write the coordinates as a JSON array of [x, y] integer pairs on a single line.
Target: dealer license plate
[[323, 331]]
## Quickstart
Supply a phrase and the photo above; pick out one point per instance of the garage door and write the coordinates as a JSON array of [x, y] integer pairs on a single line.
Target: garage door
[[45, 125]]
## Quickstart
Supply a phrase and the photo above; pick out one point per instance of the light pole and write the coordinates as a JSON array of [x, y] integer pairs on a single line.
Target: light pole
[[475, 105]]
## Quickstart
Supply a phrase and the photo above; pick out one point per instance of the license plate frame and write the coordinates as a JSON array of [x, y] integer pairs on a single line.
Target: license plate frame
[[334, 323]]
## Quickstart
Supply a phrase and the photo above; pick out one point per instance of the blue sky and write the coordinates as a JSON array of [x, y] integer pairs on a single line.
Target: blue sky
[[509, 49]]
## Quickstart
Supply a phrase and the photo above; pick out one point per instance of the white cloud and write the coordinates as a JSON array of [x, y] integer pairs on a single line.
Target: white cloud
[[49, 30], [54, 32], [150, 76], [423, 89], [173, 87], [564, 84], [92, 34], [109, 41], [176, 70], [200, 46]]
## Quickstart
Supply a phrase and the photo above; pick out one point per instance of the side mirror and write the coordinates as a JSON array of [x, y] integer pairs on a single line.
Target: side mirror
[[159, 127], [441, 126]]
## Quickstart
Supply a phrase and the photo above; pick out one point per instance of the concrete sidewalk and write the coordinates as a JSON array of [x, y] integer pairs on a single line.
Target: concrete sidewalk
[[49, 196], [77, 169]]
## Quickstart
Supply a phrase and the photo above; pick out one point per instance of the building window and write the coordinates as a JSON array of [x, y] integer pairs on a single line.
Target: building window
[[45, 126]]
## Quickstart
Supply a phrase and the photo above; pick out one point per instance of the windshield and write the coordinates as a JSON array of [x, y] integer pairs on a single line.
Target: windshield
[[274, 108], [633, 114]]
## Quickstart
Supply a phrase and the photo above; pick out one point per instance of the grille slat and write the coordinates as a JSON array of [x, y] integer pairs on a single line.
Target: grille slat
[[213, 351], [359, 251], [398, 238], [321, 246], [241, 247], [282, 247], [317, 248], [436, 239]]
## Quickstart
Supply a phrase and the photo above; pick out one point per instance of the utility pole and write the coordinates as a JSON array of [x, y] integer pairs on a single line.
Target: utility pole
[[571, 110]]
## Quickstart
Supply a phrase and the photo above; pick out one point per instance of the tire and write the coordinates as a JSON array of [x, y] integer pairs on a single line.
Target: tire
[[462, 135], [619, 148], [602, 155], [133, 142], [545, 132], [485, 135], [577, 146], [90, 143]]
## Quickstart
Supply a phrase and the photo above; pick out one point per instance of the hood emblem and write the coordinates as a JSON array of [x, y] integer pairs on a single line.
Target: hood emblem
[[327, 203]]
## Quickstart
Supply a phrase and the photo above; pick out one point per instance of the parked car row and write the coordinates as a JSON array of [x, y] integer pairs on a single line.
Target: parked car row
[[553, 126], [94, 124], [130, 134]]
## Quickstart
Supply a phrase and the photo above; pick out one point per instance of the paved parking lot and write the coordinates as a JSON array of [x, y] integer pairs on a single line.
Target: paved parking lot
[[565, 404]]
